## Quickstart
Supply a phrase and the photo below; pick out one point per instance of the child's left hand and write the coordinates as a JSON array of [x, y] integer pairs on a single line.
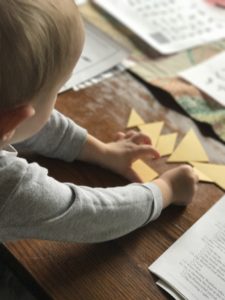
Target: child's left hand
[[127, 148]]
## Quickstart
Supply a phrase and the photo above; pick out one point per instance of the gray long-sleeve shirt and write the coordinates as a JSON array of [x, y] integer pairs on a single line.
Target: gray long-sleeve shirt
[[35, 205]]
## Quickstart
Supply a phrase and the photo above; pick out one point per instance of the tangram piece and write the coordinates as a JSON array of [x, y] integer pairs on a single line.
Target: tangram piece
[[213, 171], [166, 144], [134, 119], [202, 176], [152, 130], [145, 172], [189, 149]]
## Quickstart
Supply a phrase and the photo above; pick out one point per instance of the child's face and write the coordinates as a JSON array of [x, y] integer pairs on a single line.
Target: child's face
[[44, 103]]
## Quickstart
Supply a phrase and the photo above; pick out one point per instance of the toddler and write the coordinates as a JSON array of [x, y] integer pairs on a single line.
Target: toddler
[[40, 43]]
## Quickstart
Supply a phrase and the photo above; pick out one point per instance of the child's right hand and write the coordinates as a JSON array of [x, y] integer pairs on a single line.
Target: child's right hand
[[178, 185]]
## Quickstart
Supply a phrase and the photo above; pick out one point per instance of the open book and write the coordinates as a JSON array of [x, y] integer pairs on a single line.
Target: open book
[[169, 25], [193, 267]]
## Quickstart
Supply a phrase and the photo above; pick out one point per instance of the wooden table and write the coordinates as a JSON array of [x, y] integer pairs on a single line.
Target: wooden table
[[117, 269]]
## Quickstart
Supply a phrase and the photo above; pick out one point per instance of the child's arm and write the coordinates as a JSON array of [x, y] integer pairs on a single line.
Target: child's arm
[[41, 207], [63, 139], [34, 205], [119, 155], [60, 138]]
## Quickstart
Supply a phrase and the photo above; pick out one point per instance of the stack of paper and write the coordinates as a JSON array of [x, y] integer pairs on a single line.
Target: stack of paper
[[193, 267], [100, 55]]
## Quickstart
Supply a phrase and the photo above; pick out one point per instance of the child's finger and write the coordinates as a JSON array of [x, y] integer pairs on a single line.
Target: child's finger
[[138, 137], [131, 133], [141, 138], [120, 135], [146, 151]]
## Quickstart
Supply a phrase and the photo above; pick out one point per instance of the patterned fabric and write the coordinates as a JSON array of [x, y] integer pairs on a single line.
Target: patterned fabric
[[198, 106]]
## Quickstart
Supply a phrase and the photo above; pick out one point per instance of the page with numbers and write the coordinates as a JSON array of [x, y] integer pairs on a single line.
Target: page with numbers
[[169, 25]]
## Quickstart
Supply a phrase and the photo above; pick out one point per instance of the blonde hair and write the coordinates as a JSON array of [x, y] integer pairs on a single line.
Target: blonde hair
[[36, 39]]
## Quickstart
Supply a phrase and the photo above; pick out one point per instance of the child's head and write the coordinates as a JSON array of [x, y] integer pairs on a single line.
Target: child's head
[[40, 42]]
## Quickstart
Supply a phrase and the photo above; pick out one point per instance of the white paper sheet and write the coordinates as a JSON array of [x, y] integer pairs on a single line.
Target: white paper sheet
[[169, 25], [194, 266], [169, 290], [209, 77], [100, 54]]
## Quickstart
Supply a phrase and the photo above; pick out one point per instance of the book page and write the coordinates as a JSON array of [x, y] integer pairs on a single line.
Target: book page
[[169, 25], [194, 266], [209, 76]]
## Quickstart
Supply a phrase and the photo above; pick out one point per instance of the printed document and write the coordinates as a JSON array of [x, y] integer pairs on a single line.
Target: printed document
[[193, 268], [100, 54], [169, 25], [209, 77]]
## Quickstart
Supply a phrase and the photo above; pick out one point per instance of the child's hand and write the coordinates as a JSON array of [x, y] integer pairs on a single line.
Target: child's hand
[[178, 185], [127, 148]]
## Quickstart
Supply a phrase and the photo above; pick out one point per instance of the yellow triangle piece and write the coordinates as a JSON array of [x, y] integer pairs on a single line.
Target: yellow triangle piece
[[202, 176], [145, 172], [213, 171], [152, 130], [189, 149], [134, 119], [166, 144]]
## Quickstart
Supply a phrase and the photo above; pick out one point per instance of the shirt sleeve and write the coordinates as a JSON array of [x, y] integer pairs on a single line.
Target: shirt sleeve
[[60, 138], [41, 207]]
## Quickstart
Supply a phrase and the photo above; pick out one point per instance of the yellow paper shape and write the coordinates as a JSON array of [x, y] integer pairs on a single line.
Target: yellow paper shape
[[202, 176], [213, 171], [134, 119], [152, 130], [166, 144], [145, 172], [189, 149]]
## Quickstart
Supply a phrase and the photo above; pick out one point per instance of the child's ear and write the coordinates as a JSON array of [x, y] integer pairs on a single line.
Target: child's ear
[[11, 118]]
